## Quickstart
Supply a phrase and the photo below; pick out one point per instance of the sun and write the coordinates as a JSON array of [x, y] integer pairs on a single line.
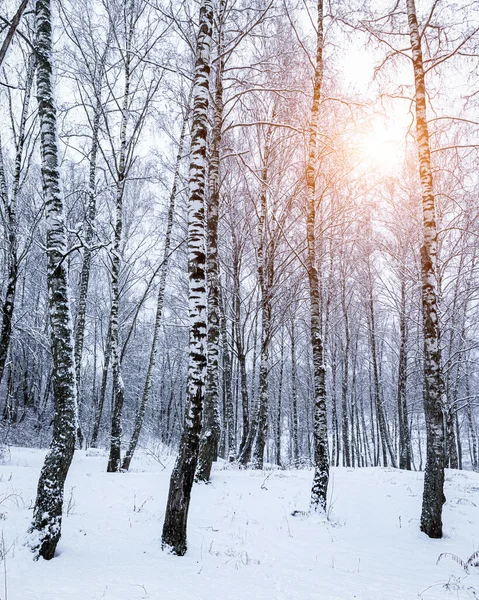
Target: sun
[[357, 67], [381, 148]]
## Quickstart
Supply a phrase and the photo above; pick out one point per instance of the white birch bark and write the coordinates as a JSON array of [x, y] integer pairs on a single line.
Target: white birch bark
[[47, 514], [211, 432], [433, 496], [321, 458], [114, 459], [182, 477]]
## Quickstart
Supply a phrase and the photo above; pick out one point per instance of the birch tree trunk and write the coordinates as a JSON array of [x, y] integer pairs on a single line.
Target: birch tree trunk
[[335, 437], [345, 383], [8, 303], [211, 431], [265, 278], [89, 233], [104, 379], [382, 429], [114, 459], [321, 459], [229, 420], [47, 514], [140, 415], [404, 437], [240, 346], [11, 30], [473, 446], [279, 407], [86, 267], [433, 496], [10, 206], [457, 339], [182, 477], [294, 394]]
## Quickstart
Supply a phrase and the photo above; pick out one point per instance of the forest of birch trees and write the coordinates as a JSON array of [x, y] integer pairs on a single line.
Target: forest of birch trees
[[242, 231]]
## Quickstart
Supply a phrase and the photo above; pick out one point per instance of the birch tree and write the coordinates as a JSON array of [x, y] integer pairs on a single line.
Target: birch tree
[[182, 477], [210, 435], [114, 459], [10, 202], [132, 119], [265, 271], [94, 62], [140, 415], [321, 458], [433, 495], [47, 513], [12, 29]]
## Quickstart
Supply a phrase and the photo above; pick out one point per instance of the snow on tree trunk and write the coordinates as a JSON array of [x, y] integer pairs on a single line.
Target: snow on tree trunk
[[45, 530], [321, 459], [182, 477], [140, 415], [433, 496]]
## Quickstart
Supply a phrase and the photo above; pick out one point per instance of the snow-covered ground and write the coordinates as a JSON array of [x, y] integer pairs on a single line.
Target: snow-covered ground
[[243, 542]]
